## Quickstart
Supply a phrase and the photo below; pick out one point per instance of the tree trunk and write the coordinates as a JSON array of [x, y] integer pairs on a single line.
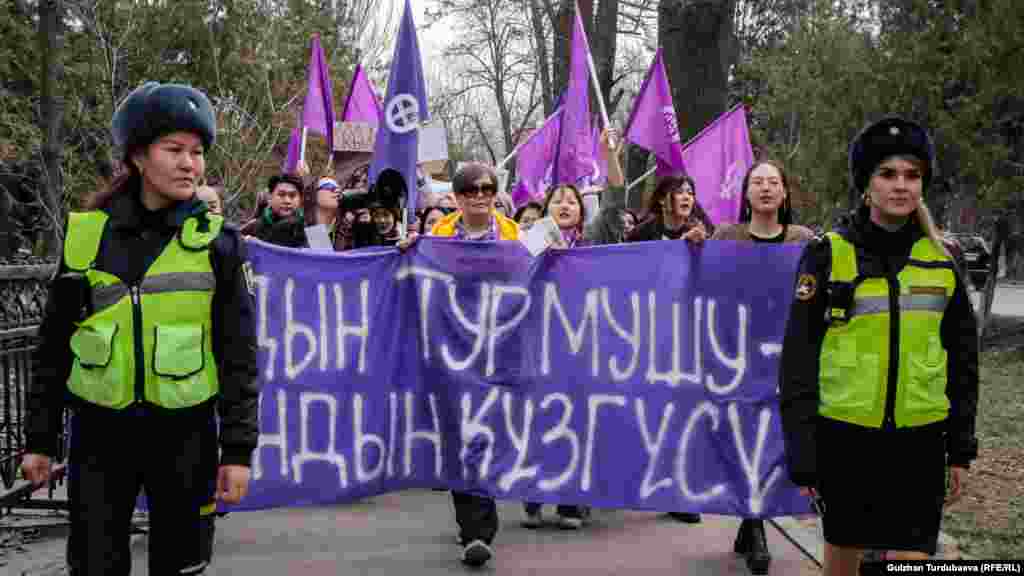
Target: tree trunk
[[603, 45], [563, 46], [697, 39], [636, 166], [51, 107], [543, 61]]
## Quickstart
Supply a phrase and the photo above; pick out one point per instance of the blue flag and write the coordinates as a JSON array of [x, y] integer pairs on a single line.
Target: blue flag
[[405, 110]]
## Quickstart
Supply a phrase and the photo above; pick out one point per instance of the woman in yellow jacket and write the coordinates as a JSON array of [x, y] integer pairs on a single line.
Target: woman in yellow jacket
[[879, 374]]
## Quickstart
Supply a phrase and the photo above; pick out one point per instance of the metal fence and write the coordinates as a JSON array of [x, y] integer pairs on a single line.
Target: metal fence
[[23, 291]]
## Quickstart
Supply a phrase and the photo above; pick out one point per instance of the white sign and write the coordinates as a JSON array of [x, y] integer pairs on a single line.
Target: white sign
[[318, 238], [433, 144], [543, 234]]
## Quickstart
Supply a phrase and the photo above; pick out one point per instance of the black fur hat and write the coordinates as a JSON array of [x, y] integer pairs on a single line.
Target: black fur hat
[[891, 136], [154, 110]]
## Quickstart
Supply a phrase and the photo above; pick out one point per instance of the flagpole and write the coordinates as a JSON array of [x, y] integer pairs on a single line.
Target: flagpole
[[712, 125], [637, 181], [302, 147], [593, 78], [511, 154]]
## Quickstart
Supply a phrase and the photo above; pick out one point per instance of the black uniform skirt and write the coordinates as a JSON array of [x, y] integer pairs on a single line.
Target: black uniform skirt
[[881, 489]]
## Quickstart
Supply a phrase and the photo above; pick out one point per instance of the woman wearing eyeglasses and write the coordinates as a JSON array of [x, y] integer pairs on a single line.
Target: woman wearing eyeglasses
[[477, 218]]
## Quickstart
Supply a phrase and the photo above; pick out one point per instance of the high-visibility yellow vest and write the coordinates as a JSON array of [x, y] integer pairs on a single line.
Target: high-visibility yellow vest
[[854, 368], [151, 341], [507, 228]]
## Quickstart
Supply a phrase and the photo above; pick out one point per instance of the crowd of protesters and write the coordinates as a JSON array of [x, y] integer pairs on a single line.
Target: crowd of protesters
[[878, 377]]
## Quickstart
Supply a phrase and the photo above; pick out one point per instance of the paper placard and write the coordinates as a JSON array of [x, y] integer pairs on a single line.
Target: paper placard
[[433, 144], [319, 238], [354, 136], [541, 236]]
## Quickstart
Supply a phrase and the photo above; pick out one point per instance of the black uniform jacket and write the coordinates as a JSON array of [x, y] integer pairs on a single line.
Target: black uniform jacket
[[132, 240], [879, 254]]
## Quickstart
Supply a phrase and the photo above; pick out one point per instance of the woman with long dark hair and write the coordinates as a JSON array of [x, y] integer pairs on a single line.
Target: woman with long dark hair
[[673, 213], [148, 340], [765, 217]]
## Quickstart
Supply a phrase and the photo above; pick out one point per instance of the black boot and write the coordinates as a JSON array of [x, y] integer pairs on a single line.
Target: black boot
[[752, 543]]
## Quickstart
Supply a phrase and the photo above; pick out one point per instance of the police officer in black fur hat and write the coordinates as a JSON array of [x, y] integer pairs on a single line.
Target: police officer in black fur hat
[[148, 339], [880, 425]]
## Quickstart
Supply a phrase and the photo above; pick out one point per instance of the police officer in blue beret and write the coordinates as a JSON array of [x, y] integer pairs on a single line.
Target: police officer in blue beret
[[885, 411], [148, 340]]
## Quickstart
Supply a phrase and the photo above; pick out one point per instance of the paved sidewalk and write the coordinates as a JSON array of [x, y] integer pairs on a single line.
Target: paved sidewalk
[[413, 533]]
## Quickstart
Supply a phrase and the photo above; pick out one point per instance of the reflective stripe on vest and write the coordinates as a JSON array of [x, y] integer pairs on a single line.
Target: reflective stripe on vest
[[855, 354], [174, 302]]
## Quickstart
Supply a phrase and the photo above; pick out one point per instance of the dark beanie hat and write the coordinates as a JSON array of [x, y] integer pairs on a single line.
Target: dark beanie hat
[[154, 110], [889, 137]]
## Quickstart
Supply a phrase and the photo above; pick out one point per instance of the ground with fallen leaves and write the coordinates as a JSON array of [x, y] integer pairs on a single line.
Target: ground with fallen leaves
[[989, 522]]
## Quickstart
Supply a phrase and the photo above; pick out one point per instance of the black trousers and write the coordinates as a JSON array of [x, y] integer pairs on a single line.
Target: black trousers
[[477, 517], [114, 455]]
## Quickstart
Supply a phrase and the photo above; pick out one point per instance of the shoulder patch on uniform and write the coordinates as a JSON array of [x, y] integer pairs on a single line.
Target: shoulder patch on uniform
[[806, 286], [250, 283]]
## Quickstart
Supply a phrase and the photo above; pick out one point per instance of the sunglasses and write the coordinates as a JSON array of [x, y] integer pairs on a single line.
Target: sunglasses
[[486, 190]]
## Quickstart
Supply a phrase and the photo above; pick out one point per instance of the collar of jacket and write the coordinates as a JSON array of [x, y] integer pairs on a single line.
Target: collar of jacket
[[859, 230], [127, 211]]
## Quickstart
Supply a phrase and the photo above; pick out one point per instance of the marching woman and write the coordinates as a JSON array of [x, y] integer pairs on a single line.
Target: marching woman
[[148, 339], [564, 204], [674, 213], [475, 186], [765, 217], [879, 374]]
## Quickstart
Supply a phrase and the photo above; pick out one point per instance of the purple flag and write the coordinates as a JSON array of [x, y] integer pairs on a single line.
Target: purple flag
[[362, 104], [405, 109], [575, 152], [294, 144], [718, 158], [535, 159], [318, 109], [653, 124]]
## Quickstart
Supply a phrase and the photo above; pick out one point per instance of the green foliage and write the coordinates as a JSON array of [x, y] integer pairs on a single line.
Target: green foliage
[[249, 56], [947, 65]]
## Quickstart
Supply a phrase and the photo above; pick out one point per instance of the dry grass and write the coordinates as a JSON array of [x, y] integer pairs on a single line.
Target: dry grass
[[989, 522]]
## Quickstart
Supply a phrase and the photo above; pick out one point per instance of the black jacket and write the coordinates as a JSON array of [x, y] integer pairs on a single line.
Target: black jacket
[[290, 231], [132, 240], [879, 254], [653, 228]]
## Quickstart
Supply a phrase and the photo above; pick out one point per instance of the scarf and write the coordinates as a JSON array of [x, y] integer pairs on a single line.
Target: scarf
[[490, 236]]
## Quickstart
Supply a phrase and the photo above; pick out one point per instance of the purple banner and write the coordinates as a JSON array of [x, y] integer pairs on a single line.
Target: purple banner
[[559, 379]]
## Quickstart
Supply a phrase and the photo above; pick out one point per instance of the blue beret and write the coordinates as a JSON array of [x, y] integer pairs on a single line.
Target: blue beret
[[891, 136], [154, 110]]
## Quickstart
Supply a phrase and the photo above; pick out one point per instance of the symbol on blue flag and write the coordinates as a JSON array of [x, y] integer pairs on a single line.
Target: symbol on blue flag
[[403, 114]]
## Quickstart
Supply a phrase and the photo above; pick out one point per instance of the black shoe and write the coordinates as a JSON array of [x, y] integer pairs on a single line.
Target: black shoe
[[685, 517], [476, 554], [752, 543]]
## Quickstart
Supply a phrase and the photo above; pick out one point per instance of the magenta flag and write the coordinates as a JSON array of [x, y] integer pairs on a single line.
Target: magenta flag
[[575, 160], [318, 109], [717, 159], [361, 104], [535, 160], [653, 124], [294, 144]]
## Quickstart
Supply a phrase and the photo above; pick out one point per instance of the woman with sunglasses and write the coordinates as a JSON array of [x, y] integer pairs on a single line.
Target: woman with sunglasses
[[475, 186]]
